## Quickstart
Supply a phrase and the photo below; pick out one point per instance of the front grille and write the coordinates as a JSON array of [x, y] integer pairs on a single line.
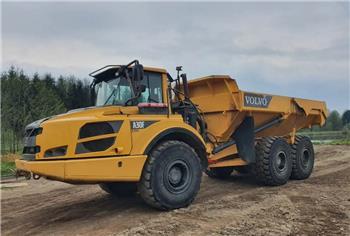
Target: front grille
[[99, 128], [95, 145], [31, 150], [55, 152]]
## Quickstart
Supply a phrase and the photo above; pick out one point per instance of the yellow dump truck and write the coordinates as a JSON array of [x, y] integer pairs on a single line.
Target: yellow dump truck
[[152, 134]]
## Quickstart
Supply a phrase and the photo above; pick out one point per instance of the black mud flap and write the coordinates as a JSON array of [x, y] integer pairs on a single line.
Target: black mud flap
[[244, 137]]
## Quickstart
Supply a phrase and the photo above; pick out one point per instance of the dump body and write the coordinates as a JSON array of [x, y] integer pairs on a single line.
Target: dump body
[[225, 106]]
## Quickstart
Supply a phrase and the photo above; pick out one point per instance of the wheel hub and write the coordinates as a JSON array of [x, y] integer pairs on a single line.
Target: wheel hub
[[177, 176], [305, 157], [281, 160]]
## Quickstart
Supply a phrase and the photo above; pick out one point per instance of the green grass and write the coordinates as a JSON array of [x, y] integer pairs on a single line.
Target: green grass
[[7, 168], [340, 142], [331, 142], [327, 135]]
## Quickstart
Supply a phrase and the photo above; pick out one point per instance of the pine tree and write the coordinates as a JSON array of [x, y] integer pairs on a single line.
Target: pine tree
[[346, 118], [333, 122]]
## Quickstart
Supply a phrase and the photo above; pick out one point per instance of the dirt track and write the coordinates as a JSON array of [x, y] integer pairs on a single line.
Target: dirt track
[[319, 205]]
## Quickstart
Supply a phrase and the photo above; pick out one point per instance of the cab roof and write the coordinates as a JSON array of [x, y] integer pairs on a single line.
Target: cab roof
[[110, 70]]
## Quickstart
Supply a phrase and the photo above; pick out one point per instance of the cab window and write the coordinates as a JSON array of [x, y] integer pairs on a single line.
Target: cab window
[[153, 92]]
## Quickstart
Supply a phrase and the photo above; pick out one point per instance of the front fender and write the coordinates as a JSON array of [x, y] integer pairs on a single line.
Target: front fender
[[144, 140]]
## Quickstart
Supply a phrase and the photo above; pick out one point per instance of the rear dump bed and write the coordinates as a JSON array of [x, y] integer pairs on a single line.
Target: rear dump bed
[[225, 106]]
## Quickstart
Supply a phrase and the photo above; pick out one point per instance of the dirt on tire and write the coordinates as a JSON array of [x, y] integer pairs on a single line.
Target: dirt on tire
[[237, 205]]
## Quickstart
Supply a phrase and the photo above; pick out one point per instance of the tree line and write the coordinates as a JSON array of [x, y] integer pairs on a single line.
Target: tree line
[[25, 99], [335, 122]]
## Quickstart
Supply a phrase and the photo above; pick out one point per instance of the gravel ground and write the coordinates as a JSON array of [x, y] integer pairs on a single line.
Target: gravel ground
[[319, 205]]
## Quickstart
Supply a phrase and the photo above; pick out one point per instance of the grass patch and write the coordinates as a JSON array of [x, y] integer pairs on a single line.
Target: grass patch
[[340, 142], [327, 135], [7, 168], [331, 142], [10, 157], [8, 164]]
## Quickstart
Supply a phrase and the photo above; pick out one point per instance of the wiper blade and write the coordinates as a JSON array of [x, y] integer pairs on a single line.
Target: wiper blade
[[114, 90], [112, 93]]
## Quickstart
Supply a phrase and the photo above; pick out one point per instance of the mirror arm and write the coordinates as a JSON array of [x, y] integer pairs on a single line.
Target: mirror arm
[[92, 93]]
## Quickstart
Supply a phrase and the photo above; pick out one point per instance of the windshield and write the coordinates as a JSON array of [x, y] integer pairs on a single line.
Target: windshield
[[118, 91], [114, 92]]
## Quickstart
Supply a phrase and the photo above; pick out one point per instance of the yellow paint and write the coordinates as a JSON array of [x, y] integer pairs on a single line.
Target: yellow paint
[[217, 94], [63, 130], [224, 153], [142, 138], [232, 162], [88, 170], [45, 168]]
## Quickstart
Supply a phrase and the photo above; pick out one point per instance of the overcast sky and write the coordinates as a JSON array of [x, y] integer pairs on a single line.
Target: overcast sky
[[294, 49]]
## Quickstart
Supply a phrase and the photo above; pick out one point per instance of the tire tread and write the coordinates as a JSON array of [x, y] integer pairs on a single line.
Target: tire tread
[[262, 165], [296, 173], [145, 187]]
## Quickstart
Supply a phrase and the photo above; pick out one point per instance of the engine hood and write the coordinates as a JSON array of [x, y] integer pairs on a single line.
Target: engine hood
[[95, 111], [89, 111], [79, 133]]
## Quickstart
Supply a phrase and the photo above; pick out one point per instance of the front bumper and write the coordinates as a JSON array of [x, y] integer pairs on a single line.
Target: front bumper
[[87, 170]]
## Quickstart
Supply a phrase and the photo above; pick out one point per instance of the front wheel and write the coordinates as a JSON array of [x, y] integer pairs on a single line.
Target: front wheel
[[171, 176]]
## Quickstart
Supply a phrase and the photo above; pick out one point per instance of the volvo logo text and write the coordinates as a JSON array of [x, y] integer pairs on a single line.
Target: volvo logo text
[[256, 100]]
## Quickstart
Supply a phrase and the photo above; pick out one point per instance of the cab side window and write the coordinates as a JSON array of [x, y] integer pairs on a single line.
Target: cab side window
[[153, 92]]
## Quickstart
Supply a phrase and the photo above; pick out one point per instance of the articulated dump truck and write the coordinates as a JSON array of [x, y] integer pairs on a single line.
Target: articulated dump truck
[[154, 135]]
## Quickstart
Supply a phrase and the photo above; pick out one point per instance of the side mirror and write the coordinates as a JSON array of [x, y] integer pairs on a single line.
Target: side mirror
[[137, 72]]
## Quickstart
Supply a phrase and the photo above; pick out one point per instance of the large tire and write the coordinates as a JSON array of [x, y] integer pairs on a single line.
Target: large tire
[[119, 189], [273, 161], [171, 176], [303, 157], [219, 172]]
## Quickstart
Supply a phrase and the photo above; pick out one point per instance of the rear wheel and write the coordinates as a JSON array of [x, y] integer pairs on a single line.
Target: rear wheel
[[302, 158], [120, 189], [171, 176], [273, 161], [219, 172]]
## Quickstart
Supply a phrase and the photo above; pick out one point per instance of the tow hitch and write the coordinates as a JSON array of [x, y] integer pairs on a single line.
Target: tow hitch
[[23, 173]]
